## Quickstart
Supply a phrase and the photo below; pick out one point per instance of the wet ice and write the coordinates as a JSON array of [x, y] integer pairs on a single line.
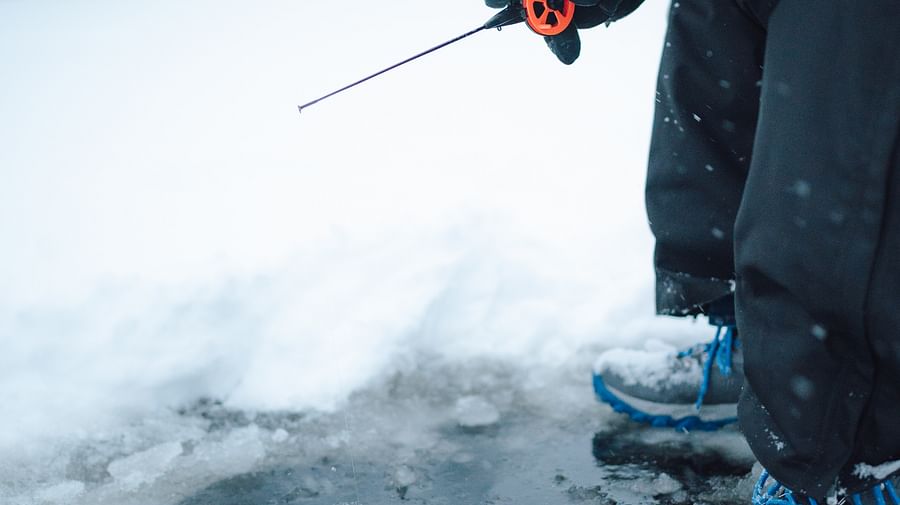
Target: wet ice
[[403, 439]]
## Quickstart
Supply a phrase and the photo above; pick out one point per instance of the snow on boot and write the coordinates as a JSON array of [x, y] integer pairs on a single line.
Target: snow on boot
[[768, 491], [695, 389]]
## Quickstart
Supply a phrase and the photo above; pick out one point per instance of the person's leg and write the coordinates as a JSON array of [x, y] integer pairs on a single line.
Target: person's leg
[[813, 245], [878, 435], [707, 103], [706, 109]]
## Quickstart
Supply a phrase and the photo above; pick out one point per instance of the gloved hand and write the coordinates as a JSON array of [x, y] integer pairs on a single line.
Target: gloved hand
[[588, 14]]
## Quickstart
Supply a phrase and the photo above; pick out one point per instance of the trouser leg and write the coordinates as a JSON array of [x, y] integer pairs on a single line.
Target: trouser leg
[[813, 239], [878, 434], [706, 107]]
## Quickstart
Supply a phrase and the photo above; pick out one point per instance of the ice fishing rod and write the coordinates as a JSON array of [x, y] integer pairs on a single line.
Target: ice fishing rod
[[544, 17]]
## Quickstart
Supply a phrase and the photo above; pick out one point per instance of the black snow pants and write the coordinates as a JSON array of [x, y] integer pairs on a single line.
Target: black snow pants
[[774, 176]]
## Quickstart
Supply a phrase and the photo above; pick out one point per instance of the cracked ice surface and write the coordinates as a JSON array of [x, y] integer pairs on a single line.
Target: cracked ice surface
[[403, 438]]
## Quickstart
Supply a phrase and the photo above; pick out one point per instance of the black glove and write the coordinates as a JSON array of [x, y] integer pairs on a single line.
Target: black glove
[[594, 12], [588, 14]]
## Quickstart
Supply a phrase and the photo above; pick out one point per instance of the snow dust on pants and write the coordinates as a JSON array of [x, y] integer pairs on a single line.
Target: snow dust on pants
[[775, 163]]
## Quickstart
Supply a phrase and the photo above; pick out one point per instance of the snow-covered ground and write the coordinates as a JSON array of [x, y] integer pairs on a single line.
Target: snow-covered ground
[[196, 284]]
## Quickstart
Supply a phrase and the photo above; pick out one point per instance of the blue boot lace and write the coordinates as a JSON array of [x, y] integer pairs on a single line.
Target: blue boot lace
[[775, 493], [719, 352]]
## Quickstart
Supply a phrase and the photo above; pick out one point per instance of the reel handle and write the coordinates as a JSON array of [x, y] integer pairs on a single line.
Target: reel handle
[[549, 17]]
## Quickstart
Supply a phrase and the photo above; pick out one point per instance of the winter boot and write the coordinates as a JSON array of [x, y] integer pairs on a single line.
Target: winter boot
[[770, 492], [695, 389]]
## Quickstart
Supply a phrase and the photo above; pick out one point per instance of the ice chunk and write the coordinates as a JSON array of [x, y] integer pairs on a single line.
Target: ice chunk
[[462, 458], [144, 467], [237, 453], [476, 412], [664, 484], [404, 477], [64, 492], [280, 436], [661, 484]]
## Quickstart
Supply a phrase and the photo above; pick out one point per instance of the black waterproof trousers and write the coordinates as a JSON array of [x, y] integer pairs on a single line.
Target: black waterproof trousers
[[775, 174]]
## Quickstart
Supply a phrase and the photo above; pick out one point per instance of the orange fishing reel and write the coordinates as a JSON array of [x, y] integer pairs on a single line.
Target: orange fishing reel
[[549, 17]]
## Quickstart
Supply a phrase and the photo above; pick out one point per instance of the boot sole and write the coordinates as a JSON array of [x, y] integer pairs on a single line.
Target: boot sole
[[679, 416]]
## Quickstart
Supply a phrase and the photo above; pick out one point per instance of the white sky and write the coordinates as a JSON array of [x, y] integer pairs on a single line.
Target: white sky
[[161, 139]]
